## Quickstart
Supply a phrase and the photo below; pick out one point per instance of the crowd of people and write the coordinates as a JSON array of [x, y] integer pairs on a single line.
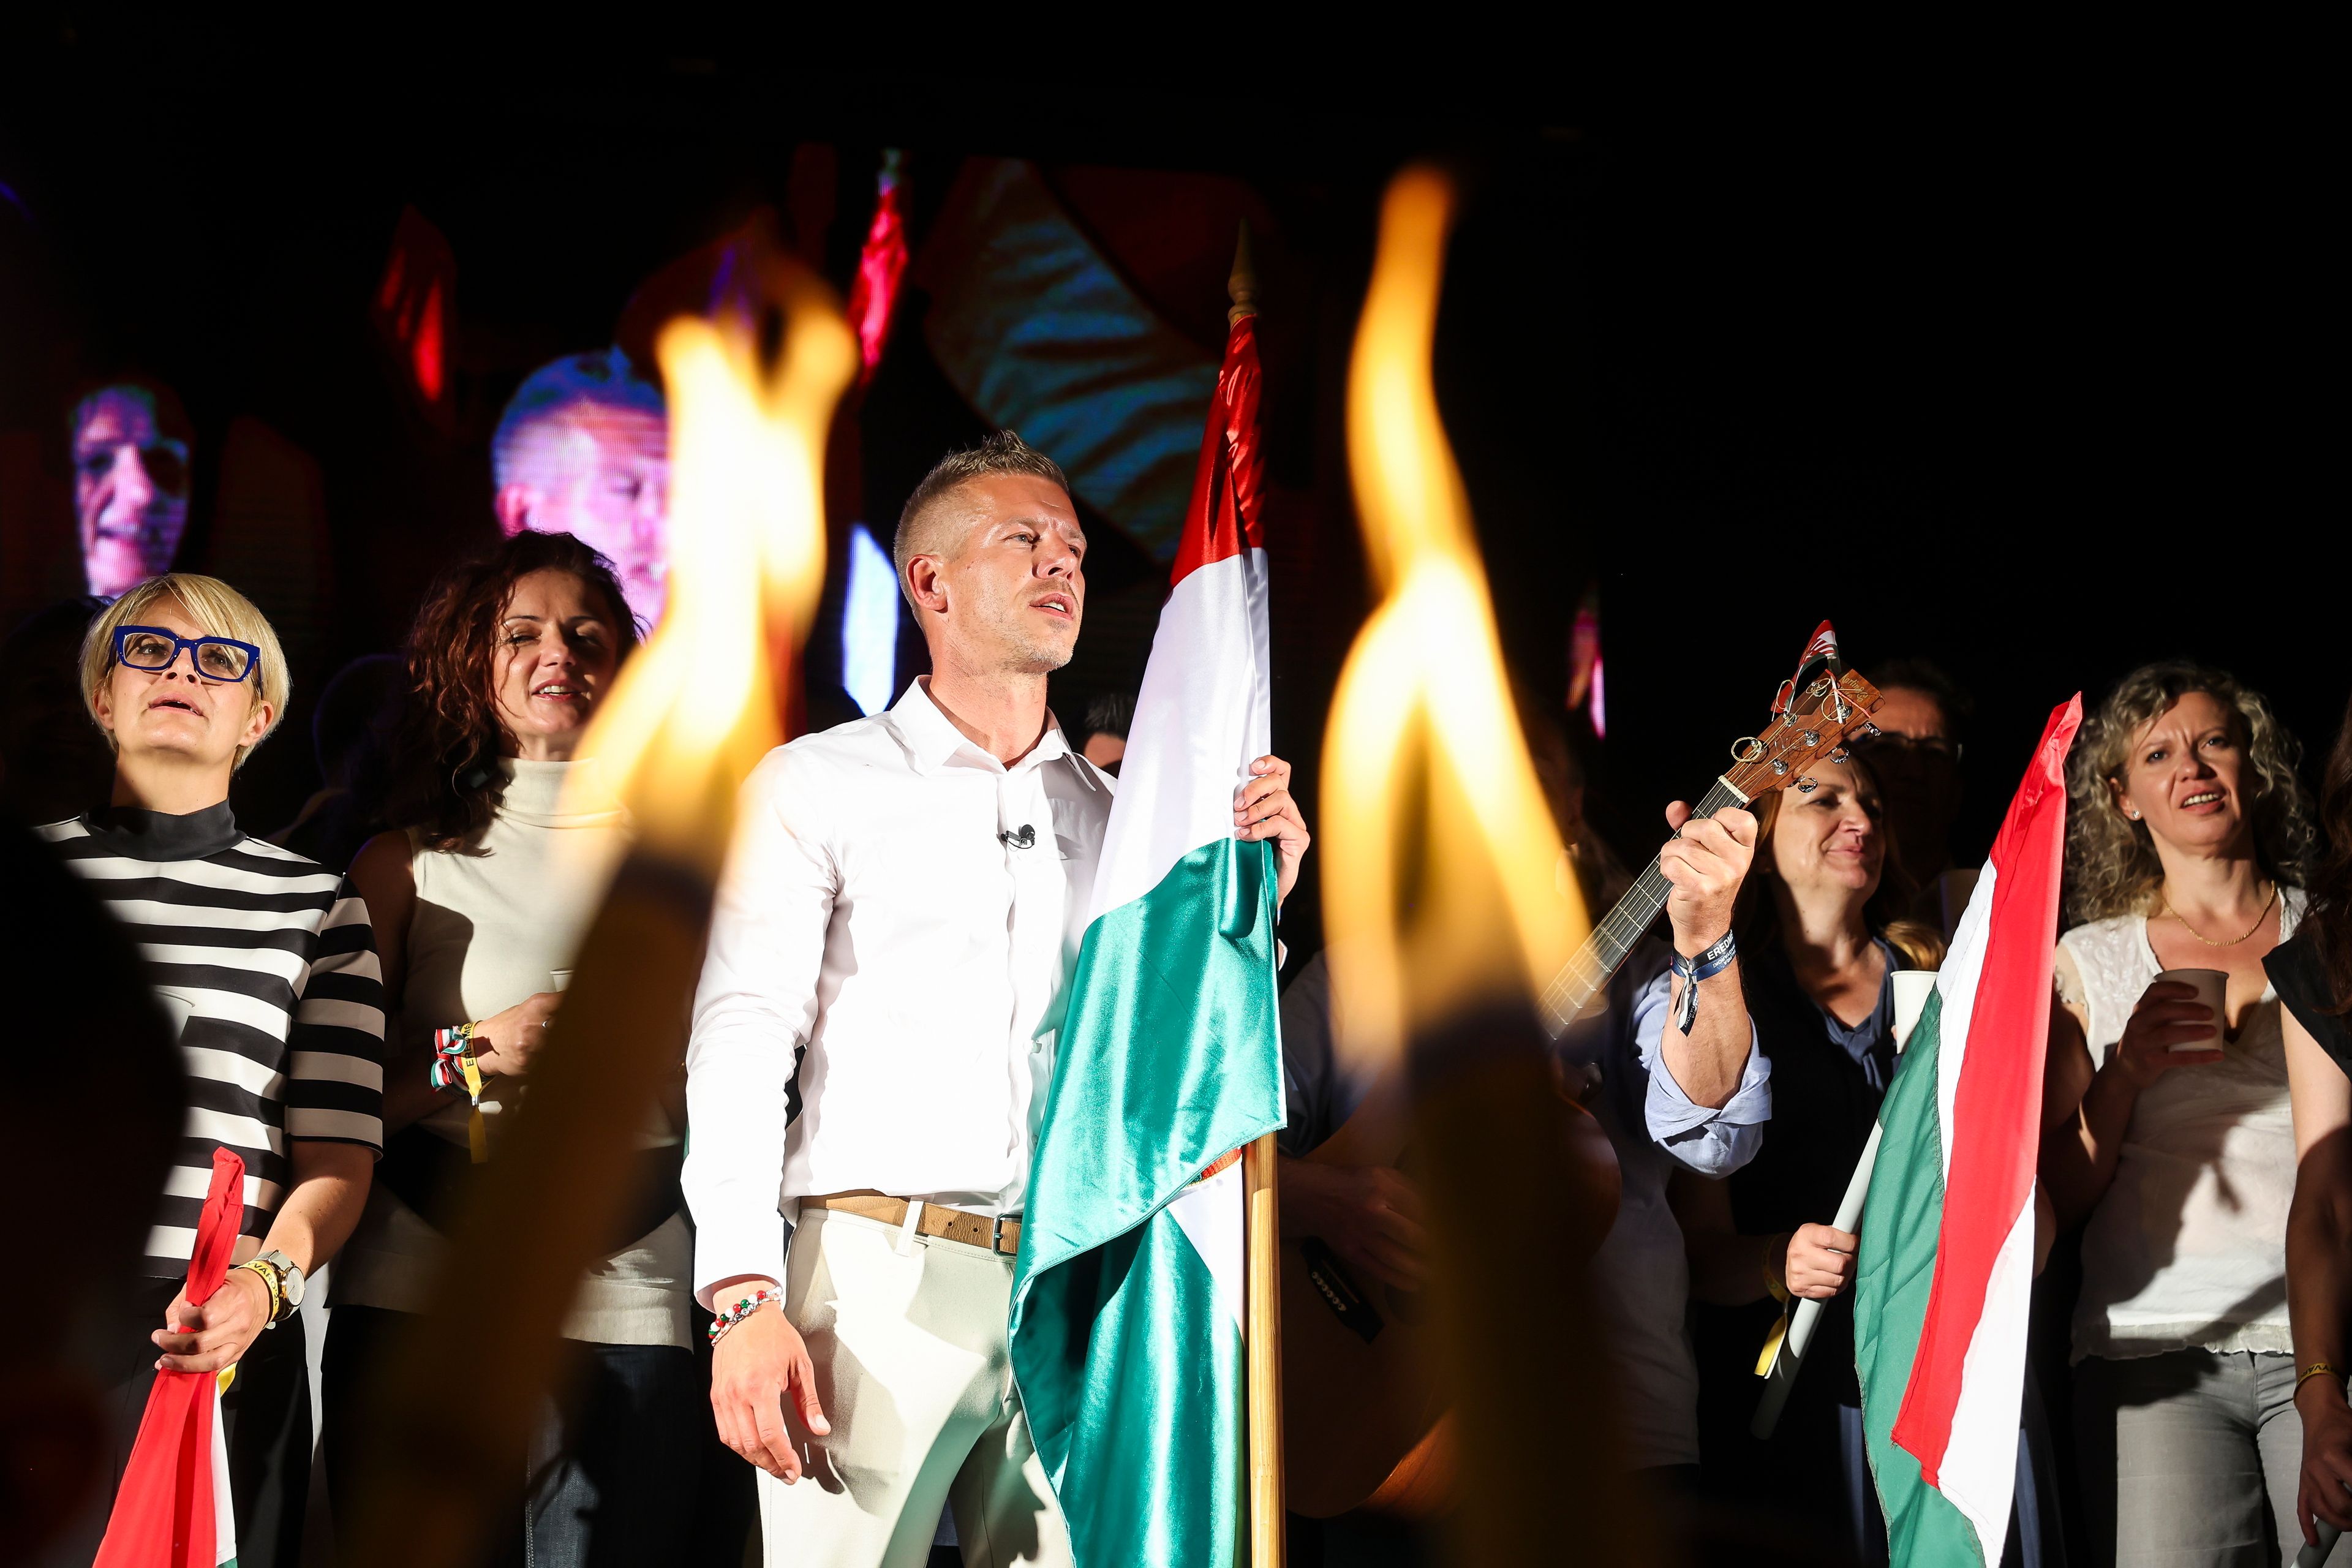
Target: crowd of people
[[801, 1319]]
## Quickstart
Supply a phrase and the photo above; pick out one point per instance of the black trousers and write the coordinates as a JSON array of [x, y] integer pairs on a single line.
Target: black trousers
[[265, 1423], [625, 1469]]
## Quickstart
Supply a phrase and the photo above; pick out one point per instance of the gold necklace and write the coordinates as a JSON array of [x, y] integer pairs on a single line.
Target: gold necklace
[[2234, 940]]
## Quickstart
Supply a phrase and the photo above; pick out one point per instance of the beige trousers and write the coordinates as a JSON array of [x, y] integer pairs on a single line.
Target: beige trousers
[[908, 1333]]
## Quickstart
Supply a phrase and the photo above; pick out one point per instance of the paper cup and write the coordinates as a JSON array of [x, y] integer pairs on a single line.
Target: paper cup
[[559, 980], [1912, 989], [2212, 989]]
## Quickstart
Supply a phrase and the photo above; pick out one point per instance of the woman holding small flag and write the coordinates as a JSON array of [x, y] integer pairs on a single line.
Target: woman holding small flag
[[1821, 919], [2166, 1130]]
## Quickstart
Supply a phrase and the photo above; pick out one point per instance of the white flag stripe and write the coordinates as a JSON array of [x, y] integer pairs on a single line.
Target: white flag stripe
[[223, 1505], [1979, 1470], [1211, 1215], [1956, 982], [1200, 721]]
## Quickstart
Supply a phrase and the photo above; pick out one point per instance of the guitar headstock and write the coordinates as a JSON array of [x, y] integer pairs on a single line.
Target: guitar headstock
[[1810, 723]]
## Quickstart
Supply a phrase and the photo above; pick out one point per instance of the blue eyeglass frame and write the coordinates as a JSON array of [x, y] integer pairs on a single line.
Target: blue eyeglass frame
[[252, 654]]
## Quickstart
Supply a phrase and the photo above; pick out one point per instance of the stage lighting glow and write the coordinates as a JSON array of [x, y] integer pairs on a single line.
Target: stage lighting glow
[[1438, 877], [869, 624]]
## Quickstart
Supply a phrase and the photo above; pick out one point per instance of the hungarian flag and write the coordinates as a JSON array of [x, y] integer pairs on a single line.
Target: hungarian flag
[[1946, 1271], [172, 1508], [1128, 1300]]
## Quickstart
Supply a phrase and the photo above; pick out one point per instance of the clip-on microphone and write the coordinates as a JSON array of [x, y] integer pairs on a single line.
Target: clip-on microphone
[[1024, 839]]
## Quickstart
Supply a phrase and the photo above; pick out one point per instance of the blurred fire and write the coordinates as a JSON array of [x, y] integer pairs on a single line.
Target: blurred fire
[[752, 392], [1439, 869], [751, 395]]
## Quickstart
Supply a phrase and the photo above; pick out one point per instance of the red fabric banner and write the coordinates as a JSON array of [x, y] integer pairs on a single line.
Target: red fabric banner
[[1227, 511], [1996, 1108], [164, 1509]]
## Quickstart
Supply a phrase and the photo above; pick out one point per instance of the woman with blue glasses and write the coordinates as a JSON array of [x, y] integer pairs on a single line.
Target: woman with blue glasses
[[266, 963]]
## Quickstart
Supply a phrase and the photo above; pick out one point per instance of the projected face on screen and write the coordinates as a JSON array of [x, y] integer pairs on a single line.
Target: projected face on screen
[[131, 456], [583, 449]]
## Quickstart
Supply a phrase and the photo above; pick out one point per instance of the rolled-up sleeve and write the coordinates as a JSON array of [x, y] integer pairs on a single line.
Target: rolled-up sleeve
[[752, 1012], [1712, 1142]]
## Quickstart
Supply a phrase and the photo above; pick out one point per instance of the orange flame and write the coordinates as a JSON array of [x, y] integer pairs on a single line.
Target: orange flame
[[699, 706], [1440, 883]]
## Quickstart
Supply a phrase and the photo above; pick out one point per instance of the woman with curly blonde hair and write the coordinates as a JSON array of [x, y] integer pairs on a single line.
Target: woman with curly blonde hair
[[2166, 1131]]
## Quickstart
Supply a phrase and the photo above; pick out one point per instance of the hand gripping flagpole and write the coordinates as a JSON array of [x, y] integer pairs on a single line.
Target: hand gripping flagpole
[[1912, 987]]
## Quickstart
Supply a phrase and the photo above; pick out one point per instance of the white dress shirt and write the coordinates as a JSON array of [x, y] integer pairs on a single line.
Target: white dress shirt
[[885, 981]]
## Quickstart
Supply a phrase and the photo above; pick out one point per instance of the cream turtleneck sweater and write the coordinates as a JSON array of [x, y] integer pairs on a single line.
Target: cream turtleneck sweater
[[489, 930]]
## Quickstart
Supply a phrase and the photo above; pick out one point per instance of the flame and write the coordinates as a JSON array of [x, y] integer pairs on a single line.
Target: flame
[[700, 704], [1439, 871]]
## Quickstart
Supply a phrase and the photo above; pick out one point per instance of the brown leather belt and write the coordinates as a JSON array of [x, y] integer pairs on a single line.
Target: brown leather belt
[[937, 1220]]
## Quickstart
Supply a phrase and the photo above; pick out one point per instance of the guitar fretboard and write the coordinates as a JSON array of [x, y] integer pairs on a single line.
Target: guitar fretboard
[[1620, 929]]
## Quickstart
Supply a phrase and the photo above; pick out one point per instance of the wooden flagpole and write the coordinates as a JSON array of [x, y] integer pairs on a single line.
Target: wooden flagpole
[[1262, 1333], [1262, 1344]]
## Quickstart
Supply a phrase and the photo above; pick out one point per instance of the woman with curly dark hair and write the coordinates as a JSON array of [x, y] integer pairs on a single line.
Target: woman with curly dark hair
[[480, 901], [2165, 1129]]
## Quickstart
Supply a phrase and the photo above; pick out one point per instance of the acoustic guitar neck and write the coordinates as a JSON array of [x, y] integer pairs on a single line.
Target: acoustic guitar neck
[[1614, 937], [1810, 720]]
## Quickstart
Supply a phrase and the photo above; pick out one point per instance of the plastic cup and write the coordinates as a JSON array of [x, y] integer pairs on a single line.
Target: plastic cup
[[1912, 989], [2212, 987], [559, 980]]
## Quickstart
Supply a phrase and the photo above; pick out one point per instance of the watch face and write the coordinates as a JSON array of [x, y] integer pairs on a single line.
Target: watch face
[[289, 1278]]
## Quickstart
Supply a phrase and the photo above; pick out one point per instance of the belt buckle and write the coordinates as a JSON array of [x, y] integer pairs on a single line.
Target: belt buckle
[[996, 1233]]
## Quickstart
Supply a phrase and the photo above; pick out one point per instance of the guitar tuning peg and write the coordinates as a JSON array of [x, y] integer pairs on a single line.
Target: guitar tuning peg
[[1807, 785], [1869, 729], [1839, 755]]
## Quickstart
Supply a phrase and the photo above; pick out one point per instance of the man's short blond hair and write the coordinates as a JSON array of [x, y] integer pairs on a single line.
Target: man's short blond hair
[[219, 609], [922, 529]]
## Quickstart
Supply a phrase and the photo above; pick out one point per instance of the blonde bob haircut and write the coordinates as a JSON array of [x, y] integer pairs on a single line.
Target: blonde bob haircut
[[2111, 863], [219, 609]]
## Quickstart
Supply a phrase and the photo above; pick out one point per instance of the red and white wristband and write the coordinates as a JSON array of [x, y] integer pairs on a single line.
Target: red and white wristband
[[742, 1310]]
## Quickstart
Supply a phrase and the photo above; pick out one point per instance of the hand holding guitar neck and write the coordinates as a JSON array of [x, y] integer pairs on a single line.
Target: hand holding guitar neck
[[1811, 718], [1705, 861]]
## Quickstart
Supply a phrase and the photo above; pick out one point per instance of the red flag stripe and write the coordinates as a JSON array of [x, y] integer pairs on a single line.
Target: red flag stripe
[[164, 1514], [1226, 512], [1997, 1106]]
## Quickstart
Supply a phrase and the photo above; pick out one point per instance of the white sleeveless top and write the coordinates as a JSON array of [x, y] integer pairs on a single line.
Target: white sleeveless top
[[2188, 1248], [491, 930]]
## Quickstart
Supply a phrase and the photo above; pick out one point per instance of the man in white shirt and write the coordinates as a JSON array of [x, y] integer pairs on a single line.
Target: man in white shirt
[[873, 1038]]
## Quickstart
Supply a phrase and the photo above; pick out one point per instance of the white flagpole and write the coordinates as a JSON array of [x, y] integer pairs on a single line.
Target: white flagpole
[[1912, 987]]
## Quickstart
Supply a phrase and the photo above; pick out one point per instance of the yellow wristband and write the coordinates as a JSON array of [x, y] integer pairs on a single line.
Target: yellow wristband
[[268, 1277], [2314, 1370], [1774, 1283]]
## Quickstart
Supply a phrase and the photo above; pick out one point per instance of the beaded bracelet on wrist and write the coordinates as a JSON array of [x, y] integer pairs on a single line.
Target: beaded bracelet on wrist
[[741, 1310]]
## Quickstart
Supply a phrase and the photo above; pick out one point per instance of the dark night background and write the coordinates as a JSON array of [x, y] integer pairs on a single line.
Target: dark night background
[[2017, 377]]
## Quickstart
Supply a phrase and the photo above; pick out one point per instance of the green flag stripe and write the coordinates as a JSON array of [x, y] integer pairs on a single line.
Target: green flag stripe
[[1129, 1365], [1892, 1278], [1151, 1464]]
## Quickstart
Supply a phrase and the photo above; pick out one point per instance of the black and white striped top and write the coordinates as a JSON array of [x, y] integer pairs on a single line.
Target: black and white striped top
[[267, 962]]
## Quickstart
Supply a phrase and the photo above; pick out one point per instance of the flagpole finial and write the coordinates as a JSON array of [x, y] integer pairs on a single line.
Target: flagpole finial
[[1241, 286]]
